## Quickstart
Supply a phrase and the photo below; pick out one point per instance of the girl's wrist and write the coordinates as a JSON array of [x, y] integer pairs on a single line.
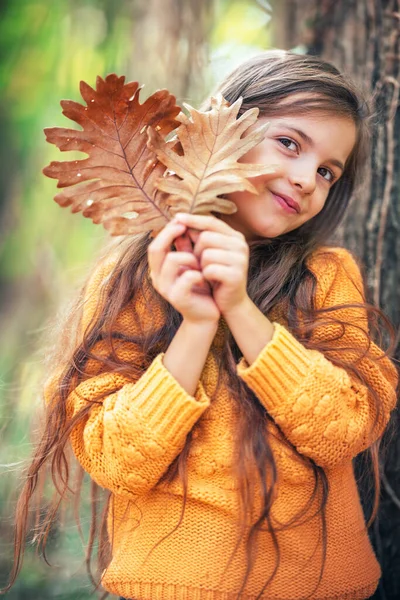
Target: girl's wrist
[[206, 326], [236, 311]]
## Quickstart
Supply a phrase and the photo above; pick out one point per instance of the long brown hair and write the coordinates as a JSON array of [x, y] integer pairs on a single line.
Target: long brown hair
[[278, 273]]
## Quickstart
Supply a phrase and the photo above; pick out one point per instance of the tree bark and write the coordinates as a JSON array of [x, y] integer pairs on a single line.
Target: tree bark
[[361, 38], [176, 34]]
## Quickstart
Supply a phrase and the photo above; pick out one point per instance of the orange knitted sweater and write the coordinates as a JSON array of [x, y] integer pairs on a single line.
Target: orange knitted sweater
[[133, 433]]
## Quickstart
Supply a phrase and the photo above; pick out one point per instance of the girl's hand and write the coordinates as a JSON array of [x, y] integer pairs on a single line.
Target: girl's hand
[[174, 275], [224, 258]]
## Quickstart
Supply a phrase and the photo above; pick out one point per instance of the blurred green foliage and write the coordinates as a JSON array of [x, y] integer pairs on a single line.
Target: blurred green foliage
[[46, 48]]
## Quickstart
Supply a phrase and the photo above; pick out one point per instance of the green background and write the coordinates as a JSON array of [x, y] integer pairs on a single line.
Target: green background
[[46, 48]]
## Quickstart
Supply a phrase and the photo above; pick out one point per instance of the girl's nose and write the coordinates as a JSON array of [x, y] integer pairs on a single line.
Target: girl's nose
[[304, 178]]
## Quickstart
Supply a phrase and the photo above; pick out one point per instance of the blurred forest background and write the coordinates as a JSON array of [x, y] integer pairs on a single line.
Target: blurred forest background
[[46, 49]]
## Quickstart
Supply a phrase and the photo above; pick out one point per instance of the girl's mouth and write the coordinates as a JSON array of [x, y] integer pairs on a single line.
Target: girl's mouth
[[283, 204]]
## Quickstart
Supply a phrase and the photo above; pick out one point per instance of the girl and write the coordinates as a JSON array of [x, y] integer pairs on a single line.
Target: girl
[[223, 426]]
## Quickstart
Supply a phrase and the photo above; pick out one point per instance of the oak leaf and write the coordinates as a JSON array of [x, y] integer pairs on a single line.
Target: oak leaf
[[116, 182], [212, 142], [133, 179]]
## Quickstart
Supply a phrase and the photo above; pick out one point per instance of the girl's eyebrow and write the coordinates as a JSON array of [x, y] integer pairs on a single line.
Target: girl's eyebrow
[[310, 142]]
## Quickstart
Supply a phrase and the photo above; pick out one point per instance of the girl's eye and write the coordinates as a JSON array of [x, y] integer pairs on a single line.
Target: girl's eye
[[331, 178], [283, 141], [287, 141]]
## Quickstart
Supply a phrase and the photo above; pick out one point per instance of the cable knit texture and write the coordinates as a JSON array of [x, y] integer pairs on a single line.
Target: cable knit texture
[[134, 430]]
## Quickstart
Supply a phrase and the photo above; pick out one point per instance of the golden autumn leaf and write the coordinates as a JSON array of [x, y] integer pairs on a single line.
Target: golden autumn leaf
[[124, 182], [212, 142], [115, 184]]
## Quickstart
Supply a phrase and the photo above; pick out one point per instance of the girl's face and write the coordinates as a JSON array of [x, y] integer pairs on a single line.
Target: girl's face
[[310, 152]]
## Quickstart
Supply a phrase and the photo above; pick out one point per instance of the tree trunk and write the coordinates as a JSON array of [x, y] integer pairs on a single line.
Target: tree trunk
[[175, 33], [361, 37]]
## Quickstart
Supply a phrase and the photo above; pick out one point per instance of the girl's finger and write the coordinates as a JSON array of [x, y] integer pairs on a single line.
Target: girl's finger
[[210, 239], [193, 234], [186, 284], [221, 257], [173, 264], [220, 273], [161, 245], [209, 222]]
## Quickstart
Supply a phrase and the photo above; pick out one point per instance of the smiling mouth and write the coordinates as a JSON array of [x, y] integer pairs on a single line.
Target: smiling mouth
[[283, 204]]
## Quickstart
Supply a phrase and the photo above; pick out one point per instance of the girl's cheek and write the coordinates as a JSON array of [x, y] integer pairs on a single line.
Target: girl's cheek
[[317, 207]]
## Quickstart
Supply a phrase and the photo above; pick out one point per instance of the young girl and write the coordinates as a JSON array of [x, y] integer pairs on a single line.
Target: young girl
[[223, 426]]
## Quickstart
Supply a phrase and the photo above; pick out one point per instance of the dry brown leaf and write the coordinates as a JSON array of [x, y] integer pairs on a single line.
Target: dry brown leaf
[[123, 184], [116, 182], [212, 143]]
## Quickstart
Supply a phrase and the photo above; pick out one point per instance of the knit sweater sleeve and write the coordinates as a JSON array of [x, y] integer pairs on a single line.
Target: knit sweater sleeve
[[323, 409], [132, 430]]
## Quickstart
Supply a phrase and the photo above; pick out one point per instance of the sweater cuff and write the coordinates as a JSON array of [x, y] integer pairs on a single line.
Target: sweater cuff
[[280, 367], [166, 407]]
